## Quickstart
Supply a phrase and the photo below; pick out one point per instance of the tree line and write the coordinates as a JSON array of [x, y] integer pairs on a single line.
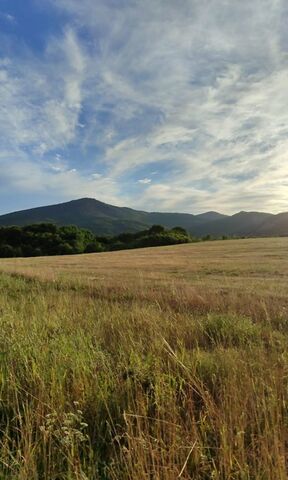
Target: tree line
[[48, 239]]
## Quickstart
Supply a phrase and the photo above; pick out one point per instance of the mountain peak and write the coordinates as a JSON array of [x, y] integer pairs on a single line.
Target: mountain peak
[[210, 216]]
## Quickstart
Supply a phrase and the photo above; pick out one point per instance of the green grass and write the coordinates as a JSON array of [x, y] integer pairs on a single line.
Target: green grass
[[99, 381]]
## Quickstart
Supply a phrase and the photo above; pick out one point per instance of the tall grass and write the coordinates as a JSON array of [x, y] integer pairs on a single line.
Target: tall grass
[[123, 384]]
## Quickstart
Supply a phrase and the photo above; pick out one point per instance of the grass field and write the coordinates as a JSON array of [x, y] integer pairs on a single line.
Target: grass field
[[152, 364]]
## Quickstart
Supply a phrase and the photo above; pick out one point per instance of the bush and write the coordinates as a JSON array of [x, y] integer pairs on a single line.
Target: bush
[[94, 247], [7, 251], [65, 249], [158, 240], [229, 330], [156, 229], [180, 230], [49, 239], [45, 239]]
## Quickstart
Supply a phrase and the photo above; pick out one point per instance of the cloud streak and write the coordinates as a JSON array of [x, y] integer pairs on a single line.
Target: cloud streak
[[193, 90], [8, 18]]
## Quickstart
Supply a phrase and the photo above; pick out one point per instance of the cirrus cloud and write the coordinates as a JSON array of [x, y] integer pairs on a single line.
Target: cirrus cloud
[[195, 91]]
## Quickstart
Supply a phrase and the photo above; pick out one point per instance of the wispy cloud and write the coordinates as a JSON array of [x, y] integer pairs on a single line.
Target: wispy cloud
[[195, 91], [41, 101], [8, 18], [145, 181]]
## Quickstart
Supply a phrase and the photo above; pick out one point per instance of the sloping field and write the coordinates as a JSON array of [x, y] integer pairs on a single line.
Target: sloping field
[[158, 363], [228, 264]]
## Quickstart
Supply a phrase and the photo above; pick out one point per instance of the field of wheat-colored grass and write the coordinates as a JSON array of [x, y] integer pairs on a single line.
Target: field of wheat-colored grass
[[151, 364]]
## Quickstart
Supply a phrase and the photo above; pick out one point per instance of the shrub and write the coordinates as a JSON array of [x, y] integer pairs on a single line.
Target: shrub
[[94, 247], [180, 230], [7, 251], [156, 229], [229, 330]]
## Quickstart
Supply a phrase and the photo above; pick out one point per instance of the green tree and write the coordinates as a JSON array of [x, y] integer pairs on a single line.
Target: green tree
[[156, 229]]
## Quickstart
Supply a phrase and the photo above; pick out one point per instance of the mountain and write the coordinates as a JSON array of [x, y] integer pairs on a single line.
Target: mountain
[[104, 219], [100, 217], [242, 223], [210, 216], [278, 223]]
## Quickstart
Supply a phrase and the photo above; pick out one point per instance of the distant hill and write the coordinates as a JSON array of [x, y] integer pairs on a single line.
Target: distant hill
[[242, 223], [211, 216], [104, 219], [276, 223]]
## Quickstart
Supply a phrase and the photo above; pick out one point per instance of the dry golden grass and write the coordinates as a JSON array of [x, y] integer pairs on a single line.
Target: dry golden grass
[[247, 264], [234, 274], [152, 364]]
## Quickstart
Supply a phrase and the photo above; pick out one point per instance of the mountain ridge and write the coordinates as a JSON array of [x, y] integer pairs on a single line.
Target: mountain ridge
[[104, 219]]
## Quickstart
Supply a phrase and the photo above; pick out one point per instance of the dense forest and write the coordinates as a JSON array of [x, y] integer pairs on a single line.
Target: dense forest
[[49, 239]]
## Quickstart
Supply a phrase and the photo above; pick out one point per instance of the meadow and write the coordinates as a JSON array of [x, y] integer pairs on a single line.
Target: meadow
[[150, 364]]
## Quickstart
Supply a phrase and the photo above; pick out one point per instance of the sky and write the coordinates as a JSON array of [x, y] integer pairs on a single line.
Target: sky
[[159, 105]]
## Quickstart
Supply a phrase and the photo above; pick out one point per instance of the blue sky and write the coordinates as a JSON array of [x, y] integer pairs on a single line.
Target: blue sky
[[158, 104]]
